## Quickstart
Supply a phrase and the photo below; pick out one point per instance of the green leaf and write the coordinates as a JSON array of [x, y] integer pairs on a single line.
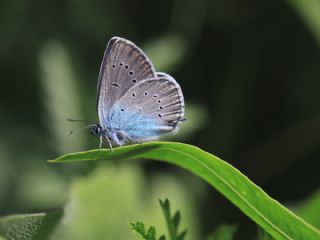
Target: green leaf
[[309, 13], [309, 210], [248, 197], [29, 226], [103, 201], [151, 234], [182, 235], [223, 232], [172, 222], [172, 225], [140, 229], [176, 219], [263, 235], [165, 206]]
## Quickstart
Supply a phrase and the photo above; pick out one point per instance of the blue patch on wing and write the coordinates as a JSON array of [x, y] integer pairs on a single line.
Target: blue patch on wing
[[136, 125]]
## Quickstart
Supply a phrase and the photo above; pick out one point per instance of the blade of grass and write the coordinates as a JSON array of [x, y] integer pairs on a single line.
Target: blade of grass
[[309, 210], [248, 197]]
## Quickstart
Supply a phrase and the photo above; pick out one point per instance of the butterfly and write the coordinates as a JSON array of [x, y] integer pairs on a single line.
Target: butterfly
[[134, 102]]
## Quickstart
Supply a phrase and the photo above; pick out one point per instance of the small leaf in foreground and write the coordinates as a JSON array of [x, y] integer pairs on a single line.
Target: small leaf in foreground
[[29, 226], [140, 229], [172, 222], [172, 225]]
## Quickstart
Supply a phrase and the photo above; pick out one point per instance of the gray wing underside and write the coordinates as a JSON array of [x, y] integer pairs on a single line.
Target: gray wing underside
[[124, 65], [159, 99]]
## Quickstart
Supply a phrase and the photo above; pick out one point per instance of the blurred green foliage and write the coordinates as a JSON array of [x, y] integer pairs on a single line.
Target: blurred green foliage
[[223, 232], [172, 222], [104, 202], [249, 72]]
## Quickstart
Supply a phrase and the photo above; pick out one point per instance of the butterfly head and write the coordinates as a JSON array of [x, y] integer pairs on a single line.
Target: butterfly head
[[96, 130]]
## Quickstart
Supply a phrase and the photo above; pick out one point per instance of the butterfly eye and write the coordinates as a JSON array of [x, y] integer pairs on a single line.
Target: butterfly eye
[[155, 96], [160, 115]]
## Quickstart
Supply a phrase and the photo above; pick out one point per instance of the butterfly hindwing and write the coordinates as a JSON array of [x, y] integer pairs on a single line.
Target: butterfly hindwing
[[149, 108]]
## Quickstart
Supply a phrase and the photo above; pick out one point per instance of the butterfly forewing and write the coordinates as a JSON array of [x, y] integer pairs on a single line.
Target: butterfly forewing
[[124, 65]]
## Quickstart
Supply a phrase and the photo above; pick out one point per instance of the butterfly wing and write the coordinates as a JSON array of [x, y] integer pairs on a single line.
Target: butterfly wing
[[124, 65], [148, 109]]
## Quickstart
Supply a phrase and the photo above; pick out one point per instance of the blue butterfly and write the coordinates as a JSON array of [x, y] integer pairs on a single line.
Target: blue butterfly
[[135, 103]]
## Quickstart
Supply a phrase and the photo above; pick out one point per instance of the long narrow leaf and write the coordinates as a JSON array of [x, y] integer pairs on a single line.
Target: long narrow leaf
[[248, 197]]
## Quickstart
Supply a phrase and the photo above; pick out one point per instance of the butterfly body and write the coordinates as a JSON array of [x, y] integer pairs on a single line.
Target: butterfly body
[[135, 103]]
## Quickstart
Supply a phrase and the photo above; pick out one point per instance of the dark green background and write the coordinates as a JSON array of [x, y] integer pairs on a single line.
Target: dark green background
[[249, 70]]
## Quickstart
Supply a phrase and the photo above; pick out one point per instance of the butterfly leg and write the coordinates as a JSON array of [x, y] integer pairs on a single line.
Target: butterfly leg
[[101, 141], [110, 145]]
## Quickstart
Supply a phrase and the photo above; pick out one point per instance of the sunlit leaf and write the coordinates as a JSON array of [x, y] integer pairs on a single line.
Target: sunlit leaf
[[249, 198], [309, 210]]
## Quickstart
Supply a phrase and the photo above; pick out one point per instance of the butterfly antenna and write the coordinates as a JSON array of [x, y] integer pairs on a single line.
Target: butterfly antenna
[[77, 120], [80, 129]]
